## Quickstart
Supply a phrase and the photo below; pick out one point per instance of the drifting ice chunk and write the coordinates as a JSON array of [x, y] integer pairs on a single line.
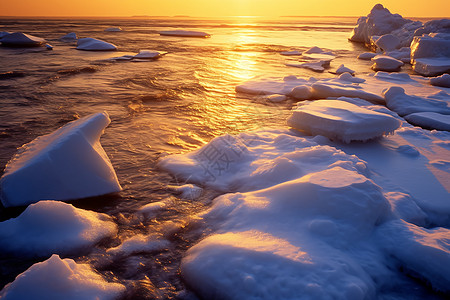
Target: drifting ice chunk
[[49, 227], [349, 78], [301, 92], [367, 55], [187, 191], [140, 243], [341, 120], [343, 69], [70, 37], [185, 33], [113, 29], [430, 120], [317, 66], [90, 44], [19, 39], [403, 104], [69, 163], [425, 253], [443, 80], [431, 66], [148, 54], [403, 54], [276, 98], [58, 278], [386, 63]]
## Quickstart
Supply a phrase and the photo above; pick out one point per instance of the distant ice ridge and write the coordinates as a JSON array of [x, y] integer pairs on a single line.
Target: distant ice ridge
[[425, 45], [69, 163], [57, 278], [49, 227]]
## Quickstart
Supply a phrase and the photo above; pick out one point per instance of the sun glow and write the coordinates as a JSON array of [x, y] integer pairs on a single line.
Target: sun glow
[[216, 8]]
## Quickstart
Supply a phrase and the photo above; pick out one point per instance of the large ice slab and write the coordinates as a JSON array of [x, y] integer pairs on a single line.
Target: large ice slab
[[57, 278], [70, 37], [69, 163], [49, 227], [293, 234], [253, 160], [20, 39], [424, 253], [91, 44], [430, 54], [185, 33], [341, 120], [403, 104], [431, 120], [386, 63]]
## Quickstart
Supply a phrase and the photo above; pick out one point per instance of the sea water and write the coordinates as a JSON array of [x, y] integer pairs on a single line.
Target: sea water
[[171, 105]]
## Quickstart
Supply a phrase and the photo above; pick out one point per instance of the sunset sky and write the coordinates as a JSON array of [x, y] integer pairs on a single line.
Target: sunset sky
[[216, 8]]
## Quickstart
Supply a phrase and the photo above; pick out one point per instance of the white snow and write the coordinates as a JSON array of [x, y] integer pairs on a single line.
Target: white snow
[[315, 59], [404, 104], [431, 120], [57, 278], [317, 65], [91, 44], [113, 29], [341, 120], [69, 163], [20, 39], [185, 33], [49, 227], [443, 80], [386, 63], [70, 37]]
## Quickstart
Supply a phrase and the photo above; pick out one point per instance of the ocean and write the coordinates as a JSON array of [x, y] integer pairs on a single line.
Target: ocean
[[171, 105]]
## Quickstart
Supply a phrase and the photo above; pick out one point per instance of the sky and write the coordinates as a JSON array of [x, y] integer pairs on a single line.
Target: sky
[[218, 8]]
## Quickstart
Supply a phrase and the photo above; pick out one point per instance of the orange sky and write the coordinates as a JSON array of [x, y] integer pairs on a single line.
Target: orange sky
[[215, 8]]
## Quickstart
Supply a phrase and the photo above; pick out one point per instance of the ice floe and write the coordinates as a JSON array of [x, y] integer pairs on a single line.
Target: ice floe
[[49, 227], [367, 55], [386, 63], [113, 29], [403, 104], [185, 33], [343, 69], [148, 54], [91, 44], [443, 80], [430, 120], [315, 59], [58, 278], [20, 39], [341, 120], [291, 53], [187, 191], [70, 37], [430, 54], [69, 163]]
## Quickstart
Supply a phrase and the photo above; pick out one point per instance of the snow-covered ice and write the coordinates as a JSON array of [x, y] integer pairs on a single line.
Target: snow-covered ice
[[148, 54], [430, 120], [341, 120], [49, 227], [315, 59], [69, 163], [367, 55], [140, 243], [430, 54], [91, 44], [387, 42], [20, 39], [386, 63], [187, 191], [185, 33], [403, 104], [343, 69], [443, 80], [291, 53], [57, 278]]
